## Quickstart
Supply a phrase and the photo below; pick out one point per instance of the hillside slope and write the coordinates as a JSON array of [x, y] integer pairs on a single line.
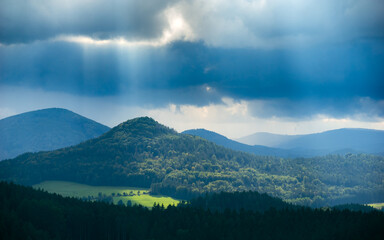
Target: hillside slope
[[43, 130], [143, 153]]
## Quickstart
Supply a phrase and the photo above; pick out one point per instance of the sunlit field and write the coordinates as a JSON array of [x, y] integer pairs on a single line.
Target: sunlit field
[[135, 195], [379, 206]]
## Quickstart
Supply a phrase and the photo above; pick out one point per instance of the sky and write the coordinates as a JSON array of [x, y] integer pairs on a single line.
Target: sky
[[234, 67]]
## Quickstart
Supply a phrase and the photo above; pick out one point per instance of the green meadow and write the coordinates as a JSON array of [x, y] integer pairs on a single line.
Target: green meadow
[[138, 196]]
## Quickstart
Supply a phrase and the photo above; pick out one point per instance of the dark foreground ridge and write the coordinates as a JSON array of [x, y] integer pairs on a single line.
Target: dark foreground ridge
[[31, 214]]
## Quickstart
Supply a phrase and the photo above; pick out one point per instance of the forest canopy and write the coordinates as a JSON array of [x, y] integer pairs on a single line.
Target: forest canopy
[[31, 214]]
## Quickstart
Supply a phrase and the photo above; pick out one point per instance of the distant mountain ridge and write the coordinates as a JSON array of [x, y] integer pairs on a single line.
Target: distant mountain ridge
[[143, 153], [266, 139], [333, 141], [303, 148], [43, 130], [228, 143]]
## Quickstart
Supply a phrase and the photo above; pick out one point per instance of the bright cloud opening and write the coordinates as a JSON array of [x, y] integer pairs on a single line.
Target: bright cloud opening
[[177, 29]]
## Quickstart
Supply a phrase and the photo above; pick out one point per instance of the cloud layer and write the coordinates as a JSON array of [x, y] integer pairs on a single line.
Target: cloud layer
[[297, 83], [283, 23], [225, 23], [285, 58], [26, 21]]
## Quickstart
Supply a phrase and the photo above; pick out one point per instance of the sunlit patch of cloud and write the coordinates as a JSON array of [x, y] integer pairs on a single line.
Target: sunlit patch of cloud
[[177, 29]]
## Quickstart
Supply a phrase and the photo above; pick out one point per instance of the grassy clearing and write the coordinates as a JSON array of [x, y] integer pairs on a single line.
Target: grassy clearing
[[135, 195], [379, 206]]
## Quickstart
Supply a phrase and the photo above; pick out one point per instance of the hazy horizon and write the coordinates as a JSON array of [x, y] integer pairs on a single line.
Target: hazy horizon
[[180, 131]]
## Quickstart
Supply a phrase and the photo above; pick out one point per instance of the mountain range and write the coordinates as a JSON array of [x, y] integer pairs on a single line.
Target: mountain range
[[143, 153], [355, 139], [54, 128], [229, 143], [340, 141], [266, 139], [44, 130]]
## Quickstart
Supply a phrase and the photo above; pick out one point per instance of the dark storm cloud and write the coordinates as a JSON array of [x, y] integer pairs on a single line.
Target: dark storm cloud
[[24, 21], [338, 71], [339, 80], [60, 66], [151, 75]]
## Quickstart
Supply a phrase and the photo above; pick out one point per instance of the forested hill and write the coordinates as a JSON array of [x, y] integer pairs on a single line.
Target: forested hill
[[31, 214], [132, 131], [143, 153], [43, 130]]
